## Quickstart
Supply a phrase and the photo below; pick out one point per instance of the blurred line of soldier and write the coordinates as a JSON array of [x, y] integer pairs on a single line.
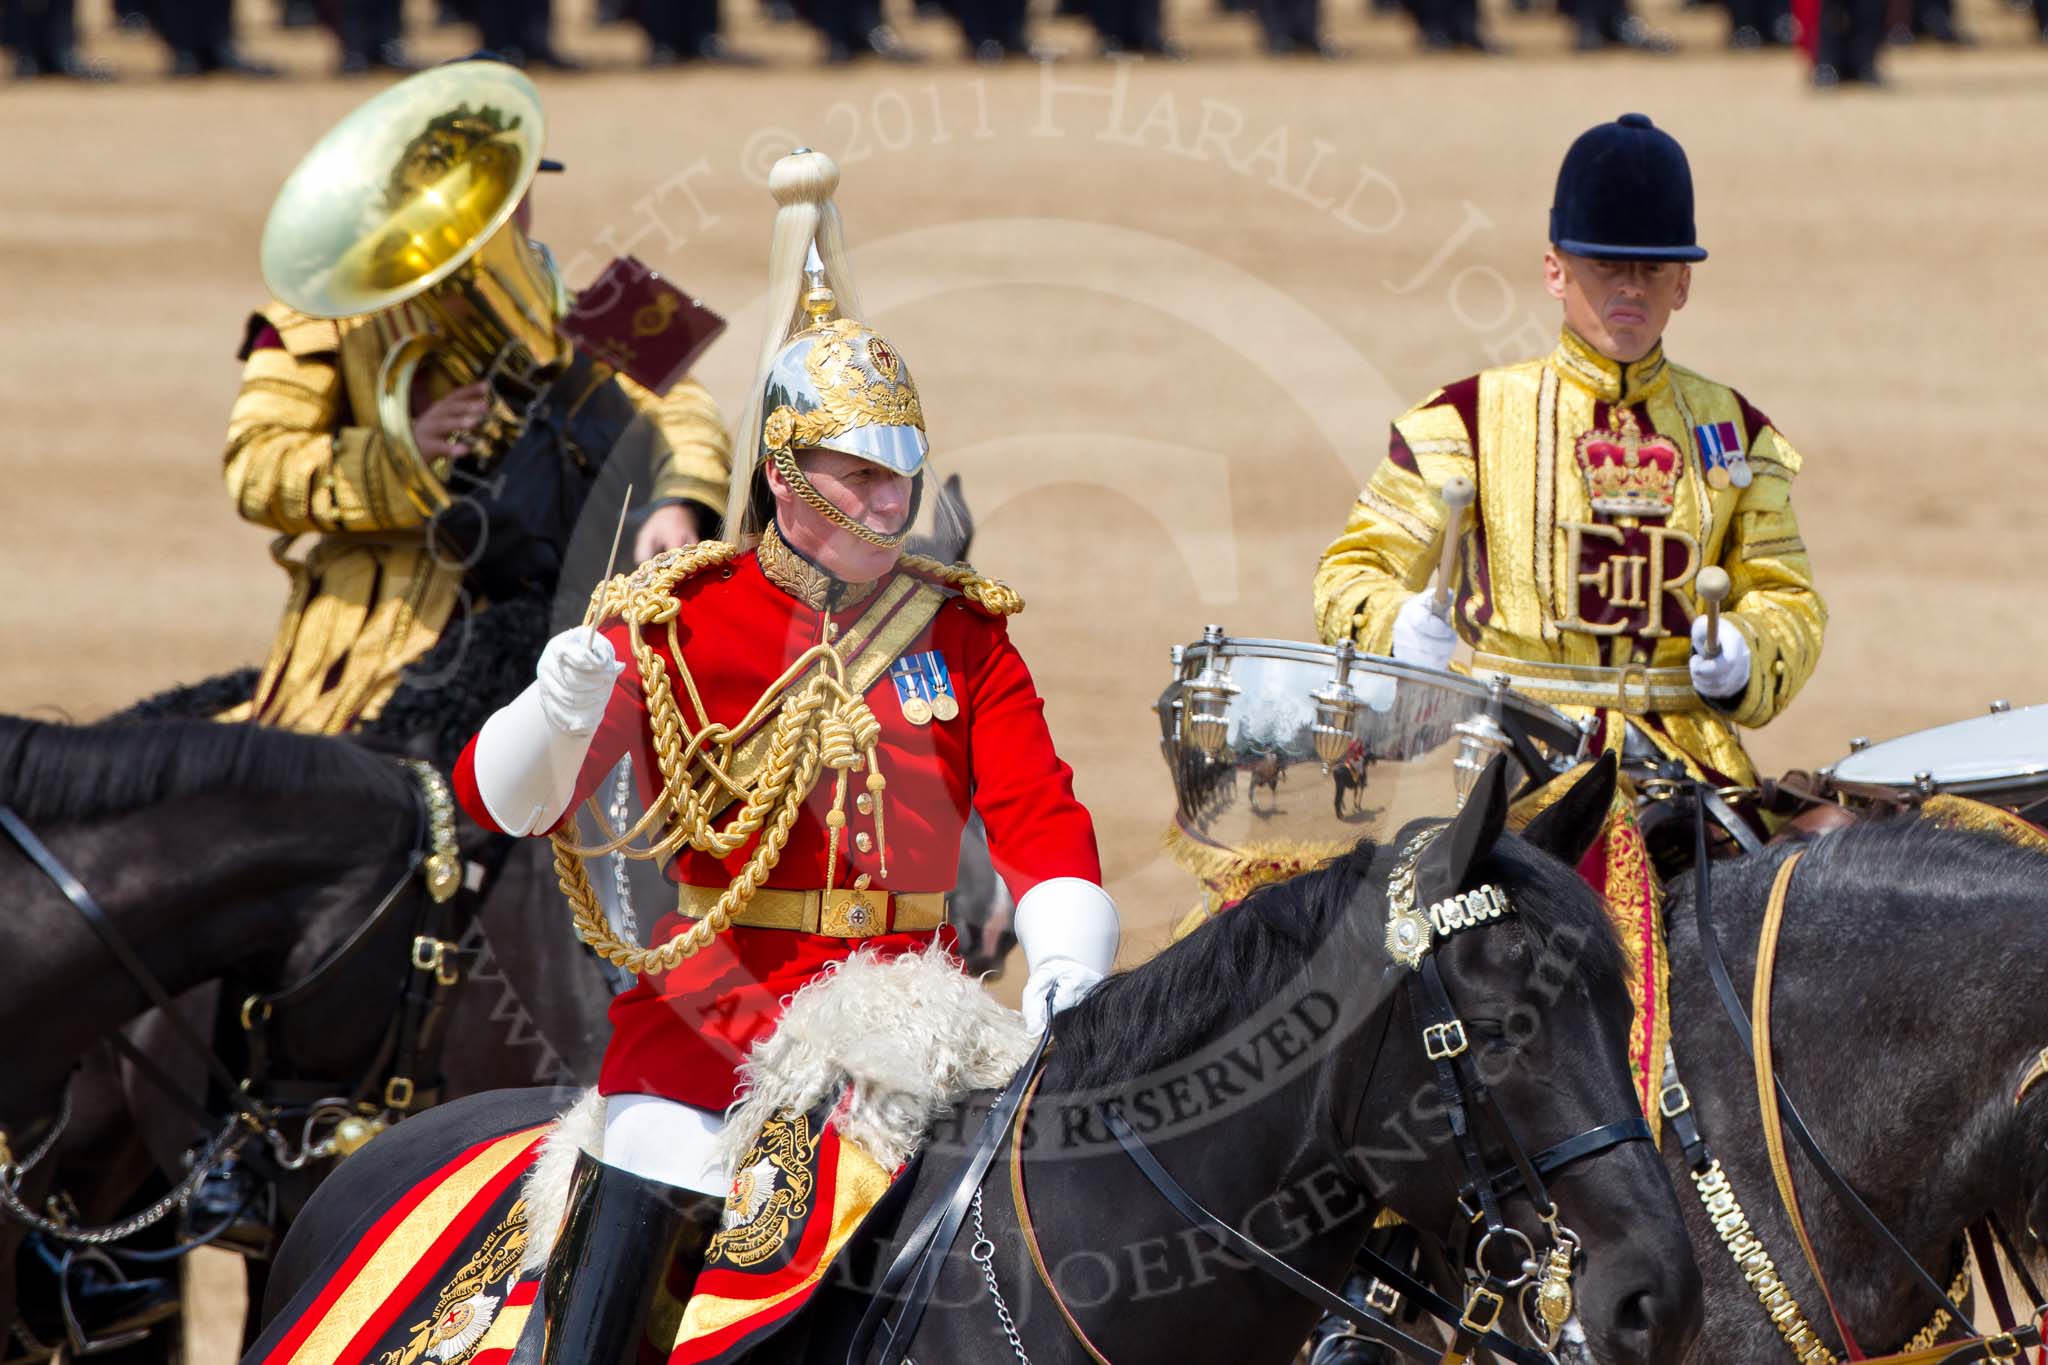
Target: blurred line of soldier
[[42, 35], [1841, 37]]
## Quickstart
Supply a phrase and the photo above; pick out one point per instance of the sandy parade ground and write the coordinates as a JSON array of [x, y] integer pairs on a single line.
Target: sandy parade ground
[[1161, 315]]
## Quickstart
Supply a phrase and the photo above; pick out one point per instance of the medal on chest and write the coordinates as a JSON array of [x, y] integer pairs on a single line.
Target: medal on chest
[[1721, 455], [924, 687], [1627, 566]]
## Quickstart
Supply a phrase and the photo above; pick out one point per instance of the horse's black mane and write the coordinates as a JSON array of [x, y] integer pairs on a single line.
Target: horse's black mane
[[78, 772], [1137, 1021]]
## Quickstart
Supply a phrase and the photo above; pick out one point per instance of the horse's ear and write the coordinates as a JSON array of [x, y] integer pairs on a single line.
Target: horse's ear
[[1446, 865], [1569, 825]]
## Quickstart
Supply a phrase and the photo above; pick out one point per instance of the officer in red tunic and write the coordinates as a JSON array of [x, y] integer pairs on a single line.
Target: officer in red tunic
[[813, 714]]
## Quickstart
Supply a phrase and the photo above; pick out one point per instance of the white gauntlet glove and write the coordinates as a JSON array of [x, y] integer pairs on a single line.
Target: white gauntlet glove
[[529, 752], [1726, 675], [1421, 636], [1068, 929], [575, 675]]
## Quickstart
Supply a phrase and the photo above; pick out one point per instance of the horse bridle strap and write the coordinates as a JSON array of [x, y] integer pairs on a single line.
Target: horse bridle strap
[[1274, 1268], [1767, 1095], [2006, 1346], [96, 918], [413, 1035], [1588, 1143], [919, 1262]]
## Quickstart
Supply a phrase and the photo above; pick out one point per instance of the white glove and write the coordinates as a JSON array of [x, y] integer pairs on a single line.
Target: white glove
[[1727, 673], [1068, 929], [1421, 636], [575, 675], [530, 751]]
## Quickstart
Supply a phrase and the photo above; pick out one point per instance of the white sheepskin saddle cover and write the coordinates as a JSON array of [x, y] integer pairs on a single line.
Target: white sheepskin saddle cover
[[901, 1040]]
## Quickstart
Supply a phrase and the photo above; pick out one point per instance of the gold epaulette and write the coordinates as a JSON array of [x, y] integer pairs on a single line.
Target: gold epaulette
[[993, 596], [646, 595]]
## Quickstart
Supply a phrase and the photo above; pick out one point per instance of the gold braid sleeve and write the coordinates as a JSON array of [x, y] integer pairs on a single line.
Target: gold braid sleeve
[[696, 465], [1772, 600], [289, 466], [1389, 544], [817, 724]]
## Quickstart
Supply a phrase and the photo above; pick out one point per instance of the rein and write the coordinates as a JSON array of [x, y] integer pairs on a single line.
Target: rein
[[1780, 1115], [1472, 1328], [408, 1036], [915, 1272], [411, 1042]]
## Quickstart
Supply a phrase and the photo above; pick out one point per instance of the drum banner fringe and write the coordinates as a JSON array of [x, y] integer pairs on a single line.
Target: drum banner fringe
[[1618, 867], [1960, 812], [1229, 875], [432, 1281], [798, 1199]]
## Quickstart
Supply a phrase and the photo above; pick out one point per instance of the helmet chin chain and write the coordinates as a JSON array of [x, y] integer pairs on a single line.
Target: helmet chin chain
[[800, 484]]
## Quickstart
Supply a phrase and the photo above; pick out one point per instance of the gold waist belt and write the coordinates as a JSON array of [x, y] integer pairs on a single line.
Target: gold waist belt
[[844, 913], [1637, 689]]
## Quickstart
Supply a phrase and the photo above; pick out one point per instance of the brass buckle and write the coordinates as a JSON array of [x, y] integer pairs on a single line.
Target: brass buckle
[[398, 1092], [249, 1015], [1382, 1297], [854, 913], [1673, 1100], [2004, 1346], [433, 955], [1441, 1042], [1485, 1298]]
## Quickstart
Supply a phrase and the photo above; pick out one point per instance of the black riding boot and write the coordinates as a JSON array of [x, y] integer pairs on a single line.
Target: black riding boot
[[623, 1233]]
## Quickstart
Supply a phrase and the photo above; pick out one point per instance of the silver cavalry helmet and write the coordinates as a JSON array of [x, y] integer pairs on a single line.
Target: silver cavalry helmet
[[838, 385]]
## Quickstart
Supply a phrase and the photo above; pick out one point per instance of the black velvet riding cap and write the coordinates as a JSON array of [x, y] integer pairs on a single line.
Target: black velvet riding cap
[[1625, 193]]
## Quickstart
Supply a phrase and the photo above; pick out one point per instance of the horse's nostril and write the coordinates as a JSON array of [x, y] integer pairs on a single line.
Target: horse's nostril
[[1654, 1323]]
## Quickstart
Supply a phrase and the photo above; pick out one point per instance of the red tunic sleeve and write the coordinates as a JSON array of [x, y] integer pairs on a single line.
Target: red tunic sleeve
[[1023, 789]]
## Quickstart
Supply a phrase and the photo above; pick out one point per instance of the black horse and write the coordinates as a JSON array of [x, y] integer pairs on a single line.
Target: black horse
[[238, 854], [1273, 1063], [1905, 1013]]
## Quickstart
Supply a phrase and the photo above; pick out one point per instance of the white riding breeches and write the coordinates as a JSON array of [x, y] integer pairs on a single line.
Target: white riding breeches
[[660, 1139]]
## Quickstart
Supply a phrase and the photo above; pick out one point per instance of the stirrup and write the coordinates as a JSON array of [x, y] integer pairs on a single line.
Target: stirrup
[[622, 1234]]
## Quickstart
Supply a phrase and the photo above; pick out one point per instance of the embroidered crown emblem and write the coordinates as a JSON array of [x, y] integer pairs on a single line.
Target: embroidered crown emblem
[[1628, 474]]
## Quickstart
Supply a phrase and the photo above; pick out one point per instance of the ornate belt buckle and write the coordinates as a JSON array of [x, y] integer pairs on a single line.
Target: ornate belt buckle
[[854, 914]]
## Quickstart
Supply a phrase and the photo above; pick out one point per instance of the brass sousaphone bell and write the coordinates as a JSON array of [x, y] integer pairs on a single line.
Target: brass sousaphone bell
[[404, 211]]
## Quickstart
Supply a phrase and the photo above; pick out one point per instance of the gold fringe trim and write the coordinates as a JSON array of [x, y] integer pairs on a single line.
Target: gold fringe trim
[[1960, 812], [1231, 875]]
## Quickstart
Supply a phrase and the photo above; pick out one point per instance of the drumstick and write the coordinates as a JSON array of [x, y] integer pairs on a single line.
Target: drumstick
[[1713, 585], [1457, 494]]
